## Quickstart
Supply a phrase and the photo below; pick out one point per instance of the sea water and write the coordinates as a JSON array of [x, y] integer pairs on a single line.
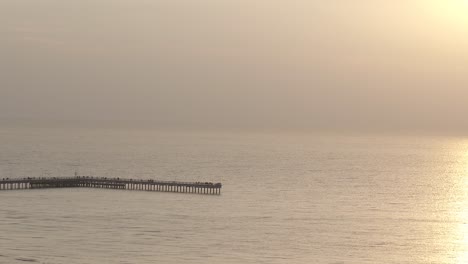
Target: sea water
[[286, 198]]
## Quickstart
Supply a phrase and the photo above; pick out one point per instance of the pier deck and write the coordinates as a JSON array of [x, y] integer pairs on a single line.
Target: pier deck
[[110, 183]]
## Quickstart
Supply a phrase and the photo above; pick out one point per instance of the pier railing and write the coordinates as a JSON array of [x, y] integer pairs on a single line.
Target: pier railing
[[110, 183]]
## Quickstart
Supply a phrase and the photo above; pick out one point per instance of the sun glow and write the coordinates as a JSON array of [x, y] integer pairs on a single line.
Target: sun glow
[[453, 11]]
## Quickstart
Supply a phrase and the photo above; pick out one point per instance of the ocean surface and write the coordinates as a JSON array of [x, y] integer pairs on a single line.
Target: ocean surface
[[286, 198]]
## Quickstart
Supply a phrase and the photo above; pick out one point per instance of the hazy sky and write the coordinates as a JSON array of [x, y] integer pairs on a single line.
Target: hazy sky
[[310, 64]]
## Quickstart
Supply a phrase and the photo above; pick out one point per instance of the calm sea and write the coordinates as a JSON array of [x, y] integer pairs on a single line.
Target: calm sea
[[286, 198]]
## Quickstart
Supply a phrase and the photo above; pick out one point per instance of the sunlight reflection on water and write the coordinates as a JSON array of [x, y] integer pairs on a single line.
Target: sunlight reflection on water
[[286, 199], [461, 208]]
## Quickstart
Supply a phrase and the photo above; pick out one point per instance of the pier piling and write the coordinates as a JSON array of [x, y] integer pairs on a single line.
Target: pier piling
[[111, 183]]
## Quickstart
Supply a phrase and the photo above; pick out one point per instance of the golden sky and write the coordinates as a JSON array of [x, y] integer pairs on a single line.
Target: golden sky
[[331, 64]]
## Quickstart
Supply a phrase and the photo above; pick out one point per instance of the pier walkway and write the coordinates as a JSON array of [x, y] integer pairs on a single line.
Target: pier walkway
[[111, 183]]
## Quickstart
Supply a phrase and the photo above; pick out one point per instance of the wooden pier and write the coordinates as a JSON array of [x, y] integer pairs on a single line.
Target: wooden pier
[[111, 183]]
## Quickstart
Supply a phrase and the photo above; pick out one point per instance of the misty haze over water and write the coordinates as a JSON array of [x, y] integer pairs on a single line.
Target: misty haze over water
[[337, 128], [316, 65]]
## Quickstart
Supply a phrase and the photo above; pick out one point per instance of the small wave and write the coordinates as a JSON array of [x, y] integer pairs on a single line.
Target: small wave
[[152, 231], [26, 259]]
